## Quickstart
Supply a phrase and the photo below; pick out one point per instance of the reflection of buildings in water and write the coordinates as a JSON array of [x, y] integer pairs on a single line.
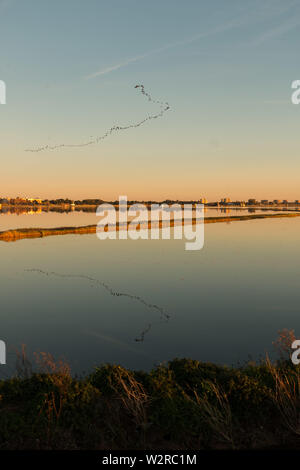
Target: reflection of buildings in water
[[225, 210], [35, 211], [20, 210]]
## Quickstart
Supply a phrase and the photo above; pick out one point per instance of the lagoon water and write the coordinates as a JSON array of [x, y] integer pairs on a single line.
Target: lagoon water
[[224, 303], [24, 218]]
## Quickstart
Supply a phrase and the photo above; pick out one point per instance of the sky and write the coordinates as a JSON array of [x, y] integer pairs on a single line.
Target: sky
[[224, 67]]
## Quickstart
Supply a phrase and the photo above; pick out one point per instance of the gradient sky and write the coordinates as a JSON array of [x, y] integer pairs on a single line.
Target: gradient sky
[[225, 67]]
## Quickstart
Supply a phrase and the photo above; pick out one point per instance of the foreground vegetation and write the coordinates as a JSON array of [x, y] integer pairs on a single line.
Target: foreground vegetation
[[185, 404]]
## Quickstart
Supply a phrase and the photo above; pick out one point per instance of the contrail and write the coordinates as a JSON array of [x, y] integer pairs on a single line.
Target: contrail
[[118, 66], [163, 108], [181, 42]]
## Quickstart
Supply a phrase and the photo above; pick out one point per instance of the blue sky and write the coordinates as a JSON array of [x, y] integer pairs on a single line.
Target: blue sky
[[225, 67]]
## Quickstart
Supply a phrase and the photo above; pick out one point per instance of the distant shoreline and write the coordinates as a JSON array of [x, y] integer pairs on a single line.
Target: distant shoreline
[[22, 233], [210, 205]]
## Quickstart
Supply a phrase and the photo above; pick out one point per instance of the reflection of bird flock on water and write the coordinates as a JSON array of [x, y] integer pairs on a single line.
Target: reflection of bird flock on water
[[163, 108], [164, 315]]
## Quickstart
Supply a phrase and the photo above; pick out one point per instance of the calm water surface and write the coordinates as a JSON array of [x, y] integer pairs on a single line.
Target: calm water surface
[[24, 218], [221, 304]]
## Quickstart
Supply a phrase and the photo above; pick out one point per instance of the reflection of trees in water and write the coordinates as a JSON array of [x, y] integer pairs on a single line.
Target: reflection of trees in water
[[164, 315], [19, 210]]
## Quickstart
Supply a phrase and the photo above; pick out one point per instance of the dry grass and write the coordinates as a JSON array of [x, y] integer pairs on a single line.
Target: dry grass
[[54, 402], [133, 397], [287, 383], [287, 396], [60, 374], [48, 365], [218, 416], [254, 407], [23, 365], [283, 343]]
